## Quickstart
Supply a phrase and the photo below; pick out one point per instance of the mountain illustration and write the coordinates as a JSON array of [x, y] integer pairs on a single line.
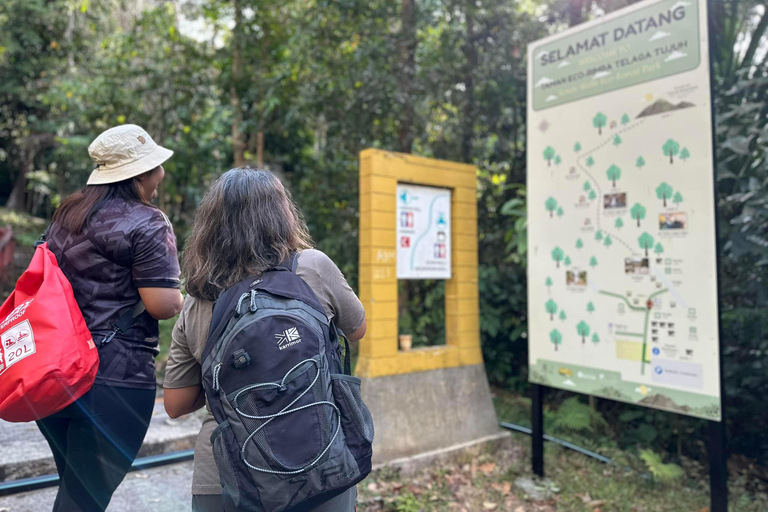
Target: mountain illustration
[[664, 402], [662, 106]]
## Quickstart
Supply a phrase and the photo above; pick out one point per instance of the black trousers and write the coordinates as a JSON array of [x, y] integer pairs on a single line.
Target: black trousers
[[94, 442]]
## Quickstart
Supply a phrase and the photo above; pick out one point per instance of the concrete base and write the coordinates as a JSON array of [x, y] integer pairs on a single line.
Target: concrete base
[[435, 411]]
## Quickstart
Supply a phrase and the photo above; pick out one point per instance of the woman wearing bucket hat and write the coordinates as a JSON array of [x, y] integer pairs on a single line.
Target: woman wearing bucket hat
[[118, 252]]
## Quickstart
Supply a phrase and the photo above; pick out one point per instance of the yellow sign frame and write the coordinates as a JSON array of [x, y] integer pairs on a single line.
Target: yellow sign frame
[[380, 172]]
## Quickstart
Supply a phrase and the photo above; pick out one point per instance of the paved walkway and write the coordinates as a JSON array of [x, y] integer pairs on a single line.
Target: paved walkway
[[163, 489], [25, 453]]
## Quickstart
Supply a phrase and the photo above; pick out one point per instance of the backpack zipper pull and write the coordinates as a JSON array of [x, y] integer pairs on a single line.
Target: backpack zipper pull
[[216, 370]]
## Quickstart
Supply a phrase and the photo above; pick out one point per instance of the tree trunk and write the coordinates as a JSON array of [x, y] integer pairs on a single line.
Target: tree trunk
[[31, 146], [670, 158], [575, 12], [470, 56], [407, 47], [260, 148], [238, 138]]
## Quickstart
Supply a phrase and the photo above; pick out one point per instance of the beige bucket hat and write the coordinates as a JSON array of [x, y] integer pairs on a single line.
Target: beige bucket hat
[[123, 152]]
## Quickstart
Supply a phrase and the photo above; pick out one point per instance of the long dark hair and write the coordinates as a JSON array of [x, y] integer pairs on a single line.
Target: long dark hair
[[245, 224], [76, 209]]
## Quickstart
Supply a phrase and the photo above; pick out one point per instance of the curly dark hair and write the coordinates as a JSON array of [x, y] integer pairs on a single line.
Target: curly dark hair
[[246, 224]]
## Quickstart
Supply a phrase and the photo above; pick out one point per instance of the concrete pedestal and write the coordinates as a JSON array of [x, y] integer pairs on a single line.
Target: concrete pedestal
[[430, 413]]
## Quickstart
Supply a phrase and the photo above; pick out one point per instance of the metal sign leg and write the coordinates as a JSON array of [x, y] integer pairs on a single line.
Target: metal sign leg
[[718, 469], [537, 425]]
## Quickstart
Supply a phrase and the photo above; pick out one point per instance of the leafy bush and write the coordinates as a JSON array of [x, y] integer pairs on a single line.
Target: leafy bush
[[662, 473]]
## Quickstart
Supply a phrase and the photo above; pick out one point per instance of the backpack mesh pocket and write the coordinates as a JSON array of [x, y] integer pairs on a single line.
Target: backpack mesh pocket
[[356, 419], [224, 464]]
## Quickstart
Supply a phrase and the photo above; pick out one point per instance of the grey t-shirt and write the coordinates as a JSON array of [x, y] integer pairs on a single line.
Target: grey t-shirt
[[191, 332]]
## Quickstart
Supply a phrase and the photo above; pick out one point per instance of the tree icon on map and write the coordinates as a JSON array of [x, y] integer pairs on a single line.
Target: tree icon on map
[[671, 148], [593, 262], [599, 121], [590, 161], [637, 213], [551, 307], [640, 163], [625, 119], [614, 174], [646, 242], [551, 206], [677, 199], [608, 241], [617, 140], [595, 339], [577, 147], [583, 329], [548, 282], [664, 192], [558, 254], [619, 223], [556, 338], [587, 186], [549, 154], [684, 154], [659, 249], [562, 315], [590, 307], [598, 235], [579, 243]]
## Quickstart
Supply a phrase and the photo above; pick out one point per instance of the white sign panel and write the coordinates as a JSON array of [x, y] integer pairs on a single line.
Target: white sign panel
[[622, 271], [423, 232]]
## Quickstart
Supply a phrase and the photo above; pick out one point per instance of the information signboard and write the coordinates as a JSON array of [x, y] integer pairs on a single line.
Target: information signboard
[[622, 268], [423, 232]]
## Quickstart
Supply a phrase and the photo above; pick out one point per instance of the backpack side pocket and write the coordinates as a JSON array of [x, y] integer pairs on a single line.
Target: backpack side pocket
[[356, 420]]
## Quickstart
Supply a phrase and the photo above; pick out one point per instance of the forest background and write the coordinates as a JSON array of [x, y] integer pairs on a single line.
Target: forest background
[[302, 86]]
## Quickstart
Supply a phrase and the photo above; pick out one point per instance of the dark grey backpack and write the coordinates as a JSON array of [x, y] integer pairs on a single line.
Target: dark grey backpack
[[293, 430]]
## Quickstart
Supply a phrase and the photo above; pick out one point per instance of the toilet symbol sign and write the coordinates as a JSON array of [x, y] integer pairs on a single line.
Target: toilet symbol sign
[[423, 232]]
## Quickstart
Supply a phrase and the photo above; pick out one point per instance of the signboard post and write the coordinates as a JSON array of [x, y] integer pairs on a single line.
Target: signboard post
[[622, 260]]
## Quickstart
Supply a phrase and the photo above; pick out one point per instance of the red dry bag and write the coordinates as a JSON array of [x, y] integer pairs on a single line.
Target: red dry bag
[[47, 356]]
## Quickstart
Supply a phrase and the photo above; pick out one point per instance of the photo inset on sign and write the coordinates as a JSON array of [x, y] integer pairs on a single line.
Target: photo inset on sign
[[613, 201], [636, 266], [576, 278], [677, 220]]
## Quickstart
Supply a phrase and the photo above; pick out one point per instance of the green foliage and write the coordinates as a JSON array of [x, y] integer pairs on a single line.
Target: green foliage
[[640, 163], [575, 415], [625, 119], [617, 140], [590, 161], [662, 473], [608, 241], [598, 235], [579, 243], [577, 147], [619, 223], [684, 154]]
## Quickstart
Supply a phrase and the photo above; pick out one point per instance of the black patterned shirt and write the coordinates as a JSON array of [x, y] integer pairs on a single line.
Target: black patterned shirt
[[124, 246]]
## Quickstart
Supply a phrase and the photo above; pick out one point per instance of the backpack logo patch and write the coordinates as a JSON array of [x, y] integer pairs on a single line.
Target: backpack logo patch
[[288, 338]]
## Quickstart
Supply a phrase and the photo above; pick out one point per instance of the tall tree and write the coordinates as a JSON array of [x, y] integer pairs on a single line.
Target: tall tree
[[239, 144], [407, 68]]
